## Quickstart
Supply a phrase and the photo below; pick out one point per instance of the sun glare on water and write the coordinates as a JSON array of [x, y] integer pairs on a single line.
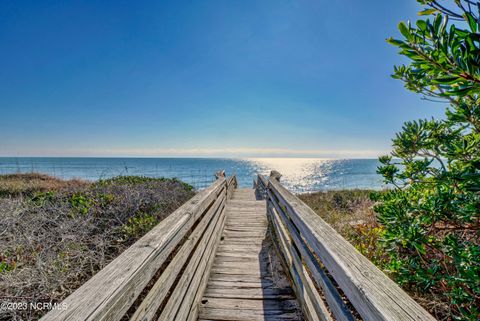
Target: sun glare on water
[[298, 173]]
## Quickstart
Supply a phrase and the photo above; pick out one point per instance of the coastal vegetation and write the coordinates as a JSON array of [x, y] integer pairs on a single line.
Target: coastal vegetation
[[425, 231], [350, 212], [56, 234], [430, 217]]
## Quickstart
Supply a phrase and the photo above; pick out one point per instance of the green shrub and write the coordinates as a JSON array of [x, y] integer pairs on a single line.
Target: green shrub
[[431, 216], [366, 239], [5, 267], [130, 180], [81, 203], [40, 198], [139, 225], [134, 180]]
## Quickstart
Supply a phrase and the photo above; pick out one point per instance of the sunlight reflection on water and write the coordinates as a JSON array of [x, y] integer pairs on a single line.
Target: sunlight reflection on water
[[313, 174]]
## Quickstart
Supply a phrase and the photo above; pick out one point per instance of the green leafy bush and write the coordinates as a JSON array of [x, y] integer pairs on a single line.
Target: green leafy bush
[[80, 203], [139, 225], [366, 239], [135, 180], [431, 216]]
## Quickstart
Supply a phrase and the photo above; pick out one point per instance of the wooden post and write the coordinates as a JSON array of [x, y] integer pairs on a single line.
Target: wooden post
[[220, 174], [275, 175]]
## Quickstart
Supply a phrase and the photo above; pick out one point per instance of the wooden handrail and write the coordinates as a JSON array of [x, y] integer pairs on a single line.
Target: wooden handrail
[[260, 186], [231, 185], [183, 245], [164, 274], [311, 250]]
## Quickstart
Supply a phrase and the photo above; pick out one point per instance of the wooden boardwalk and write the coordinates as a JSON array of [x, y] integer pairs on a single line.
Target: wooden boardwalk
[[246, 281], [226, 255]]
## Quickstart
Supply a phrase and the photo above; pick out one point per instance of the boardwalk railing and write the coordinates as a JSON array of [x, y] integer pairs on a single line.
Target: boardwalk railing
[[163, 275], [317, 257]]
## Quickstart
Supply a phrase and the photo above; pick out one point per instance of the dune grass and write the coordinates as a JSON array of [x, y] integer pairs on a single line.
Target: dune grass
[[30, 183]]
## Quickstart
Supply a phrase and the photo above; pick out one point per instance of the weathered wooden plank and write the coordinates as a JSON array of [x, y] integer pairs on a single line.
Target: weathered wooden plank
[[238, 277], [374, 295], [240, 203], [244, 226], [238, 271], [242, 304], [237, 282], [109, 294], [193, 309], [183, 288], [246, 315], [247, 248], [249, 293], [312, 304], [234, 241], [148, 307], [237, 258], [243, 221], [232, 266], [333, 298], [243, 234], [229, 245], [201, 278]]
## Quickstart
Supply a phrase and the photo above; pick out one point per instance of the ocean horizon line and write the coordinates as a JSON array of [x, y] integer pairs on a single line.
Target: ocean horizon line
[[299, 174]]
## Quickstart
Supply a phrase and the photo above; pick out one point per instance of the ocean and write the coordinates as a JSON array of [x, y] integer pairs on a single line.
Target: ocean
[[300, 175]]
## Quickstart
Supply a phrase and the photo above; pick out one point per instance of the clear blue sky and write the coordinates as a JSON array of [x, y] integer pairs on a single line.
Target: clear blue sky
[[207, 78]]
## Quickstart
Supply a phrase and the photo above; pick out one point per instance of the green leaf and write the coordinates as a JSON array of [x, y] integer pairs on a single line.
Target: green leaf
[[394, 42], [437, 22], [446, 80], [422, 25], [435, 170], [458, 92], [471, 21], [427, 12], [404, 30]]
